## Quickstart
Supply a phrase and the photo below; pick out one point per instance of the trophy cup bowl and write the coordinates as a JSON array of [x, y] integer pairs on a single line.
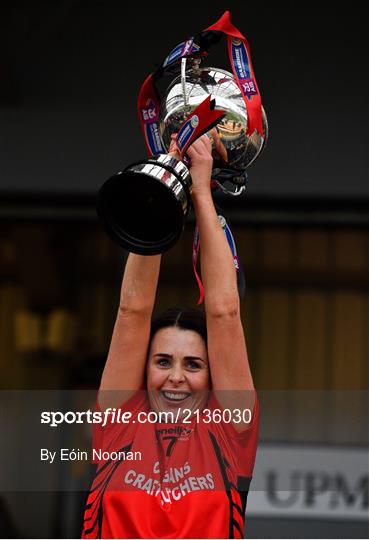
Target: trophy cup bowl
[[145, 206], [186, 93]]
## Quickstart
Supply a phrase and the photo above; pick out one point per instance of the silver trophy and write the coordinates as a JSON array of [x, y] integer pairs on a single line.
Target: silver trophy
[[144, 207], [233, 149]]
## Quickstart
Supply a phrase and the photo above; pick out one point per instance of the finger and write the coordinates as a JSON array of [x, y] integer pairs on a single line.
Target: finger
[[192, 152], [209, 137], [206, 139], [202, 142], [173, 150], [204, 145], [175, 154], [197, 145]]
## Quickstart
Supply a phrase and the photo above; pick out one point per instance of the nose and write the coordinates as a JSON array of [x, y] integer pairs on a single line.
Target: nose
[[176, 375]]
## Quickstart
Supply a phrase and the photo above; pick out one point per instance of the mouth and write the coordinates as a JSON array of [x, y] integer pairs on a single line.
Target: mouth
[[175, 396]]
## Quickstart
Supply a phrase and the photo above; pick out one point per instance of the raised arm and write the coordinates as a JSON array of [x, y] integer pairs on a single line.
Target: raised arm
[[227, 352], [125, 366]]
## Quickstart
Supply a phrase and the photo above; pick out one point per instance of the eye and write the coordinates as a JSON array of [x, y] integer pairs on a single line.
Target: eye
[[193, 364], [162, 362]]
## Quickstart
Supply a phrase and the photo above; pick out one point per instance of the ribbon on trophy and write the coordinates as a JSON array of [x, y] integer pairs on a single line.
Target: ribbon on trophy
[[240, 59], [148, 103], [204, 116]]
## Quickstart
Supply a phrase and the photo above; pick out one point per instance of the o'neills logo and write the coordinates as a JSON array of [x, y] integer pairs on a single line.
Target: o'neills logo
[[178, 431], [236, 41]]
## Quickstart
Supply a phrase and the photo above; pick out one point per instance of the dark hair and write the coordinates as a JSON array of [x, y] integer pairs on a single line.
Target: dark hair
[[180, 317]]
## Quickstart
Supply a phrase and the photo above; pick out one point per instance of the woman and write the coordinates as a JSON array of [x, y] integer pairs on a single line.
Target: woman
[[193, 478]]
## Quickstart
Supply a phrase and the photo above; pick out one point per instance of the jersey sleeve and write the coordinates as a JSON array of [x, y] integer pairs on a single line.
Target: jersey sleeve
[[245, 442], [242, 445]]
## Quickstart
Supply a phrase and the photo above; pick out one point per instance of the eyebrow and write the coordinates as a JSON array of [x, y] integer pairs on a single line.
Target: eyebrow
[[165, 355]]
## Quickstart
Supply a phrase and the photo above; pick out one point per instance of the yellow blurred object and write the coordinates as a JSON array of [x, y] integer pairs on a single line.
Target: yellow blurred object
[[27, 331], [60, 333], [55, 332]]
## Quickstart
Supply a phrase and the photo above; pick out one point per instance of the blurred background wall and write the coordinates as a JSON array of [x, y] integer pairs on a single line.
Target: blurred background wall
[[70, 72]]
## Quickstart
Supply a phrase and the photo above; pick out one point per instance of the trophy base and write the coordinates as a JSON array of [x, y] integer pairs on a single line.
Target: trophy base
[[144, 207]]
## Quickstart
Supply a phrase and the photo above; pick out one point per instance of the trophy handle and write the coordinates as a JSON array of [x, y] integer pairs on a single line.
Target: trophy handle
[[183, 83], [238, 191]]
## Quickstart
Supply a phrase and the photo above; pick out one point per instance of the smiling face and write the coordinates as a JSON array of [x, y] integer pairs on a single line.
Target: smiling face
[[177, 370]]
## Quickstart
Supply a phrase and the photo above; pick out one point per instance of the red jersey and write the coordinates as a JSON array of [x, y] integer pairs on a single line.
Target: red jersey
[[192, 481]]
